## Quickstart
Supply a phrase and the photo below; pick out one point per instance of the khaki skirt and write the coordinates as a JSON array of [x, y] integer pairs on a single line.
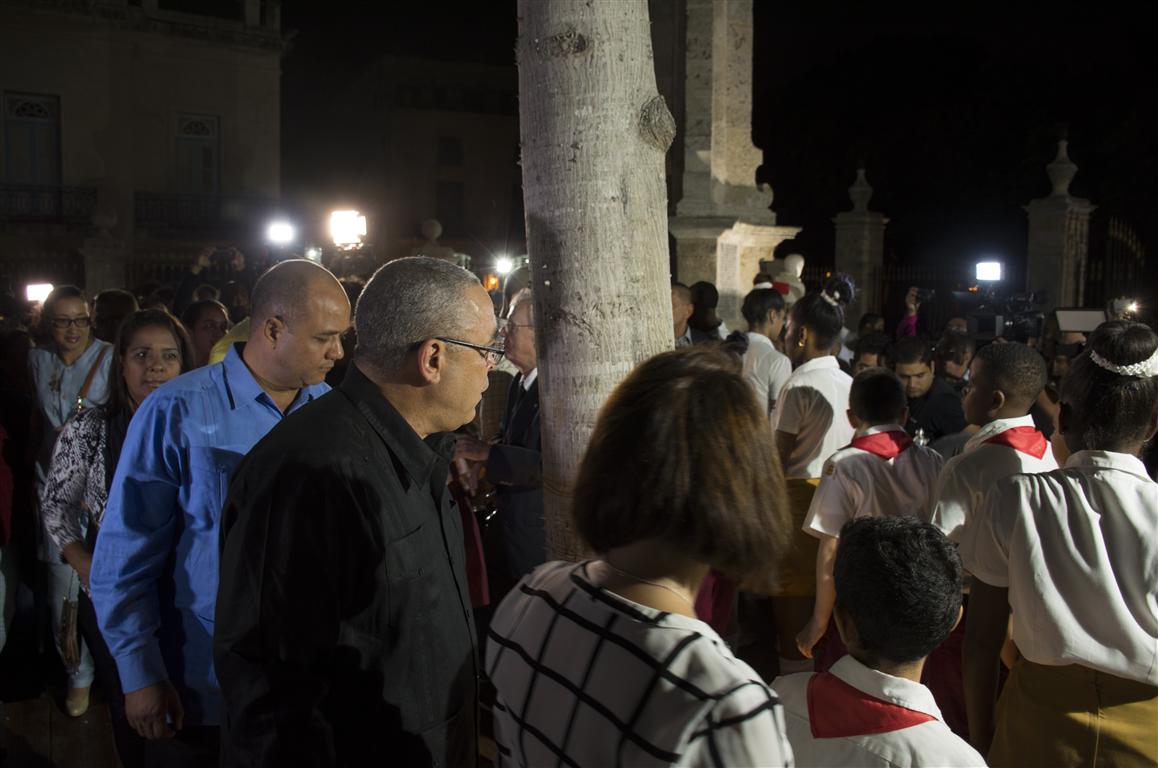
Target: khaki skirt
[[1074, 716], [795, 574]]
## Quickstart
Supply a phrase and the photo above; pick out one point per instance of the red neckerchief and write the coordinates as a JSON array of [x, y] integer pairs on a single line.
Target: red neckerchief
[[837, 709], [782, 288], [887, 445], [1025, 439]]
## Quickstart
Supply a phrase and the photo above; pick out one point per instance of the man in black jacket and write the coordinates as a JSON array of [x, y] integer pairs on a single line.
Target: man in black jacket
[[934, 406], [344, 634]]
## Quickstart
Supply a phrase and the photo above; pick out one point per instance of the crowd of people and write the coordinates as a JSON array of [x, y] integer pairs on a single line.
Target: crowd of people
[[303, 524]]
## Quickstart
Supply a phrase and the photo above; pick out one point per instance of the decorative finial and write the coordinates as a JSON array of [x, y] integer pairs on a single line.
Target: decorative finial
[[1061, 171], [860, 192]]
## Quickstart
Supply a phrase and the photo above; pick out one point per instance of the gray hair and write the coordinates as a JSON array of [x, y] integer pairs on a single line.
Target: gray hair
[[520, 296], [406, 302]]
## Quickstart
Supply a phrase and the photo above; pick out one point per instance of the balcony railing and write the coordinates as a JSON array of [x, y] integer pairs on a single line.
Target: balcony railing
[[158, 212], [46, 204]]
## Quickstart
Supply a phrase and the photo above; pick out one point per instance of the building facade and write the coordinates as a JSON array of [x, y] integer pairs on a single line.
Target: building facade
[[134, 131]]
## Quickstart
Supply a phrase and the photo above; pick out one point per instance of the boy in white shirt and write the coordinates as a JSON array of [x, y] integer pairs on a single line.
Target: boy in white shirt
[[882, 473], [1004, 382], [898, 587]]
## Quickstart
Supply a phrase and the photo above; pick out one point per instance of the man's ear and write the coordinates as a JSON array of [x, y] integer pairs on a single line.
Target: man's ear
[[852, 419], [272, 330], [904, 416], [431, 360]]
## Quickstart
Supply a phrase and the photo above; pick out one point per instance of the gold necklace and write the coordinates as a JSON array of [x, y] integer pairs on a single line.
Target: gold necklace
[[681, 595]]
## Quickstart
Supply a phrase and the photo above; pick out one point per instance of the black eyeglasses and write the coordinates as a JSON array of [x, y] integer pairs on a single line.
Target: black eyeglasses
[[61, 323], [491, 354]]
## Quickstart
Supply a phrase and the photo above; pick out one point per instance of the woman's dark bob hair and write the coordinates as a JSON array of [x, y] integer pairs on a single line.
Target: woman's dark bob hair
[[682, 453]]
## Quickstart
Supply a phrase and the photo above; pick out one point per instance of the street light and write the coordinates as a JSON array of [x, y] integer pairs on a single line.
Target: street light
[[38, 292], [347, 228], [281, 232]]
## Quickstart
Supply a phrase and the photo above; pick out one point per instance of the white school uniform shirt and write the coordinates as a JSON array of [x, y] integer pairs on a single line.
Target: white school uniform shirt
[[856, 715], [860, 483], [968, 476], [813, 406], [766, 369], [1078, 550]]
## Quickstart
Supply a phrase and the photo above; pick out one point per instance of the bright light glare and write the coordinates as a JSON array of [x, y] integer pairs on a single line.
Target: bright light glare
[[38, 292], [988, 271], [1132, 307], [504, 265], [347, 228], [314, 254], [281, 232]]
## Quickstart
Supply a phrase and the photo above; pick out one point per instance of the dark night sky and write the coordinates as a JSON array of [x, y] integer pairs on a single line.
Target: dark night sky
[[955, 123]]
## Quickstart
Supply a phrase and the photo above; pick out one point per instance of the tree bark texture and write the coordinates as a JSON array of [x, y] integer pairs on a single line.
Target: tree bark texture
[[594, 132]]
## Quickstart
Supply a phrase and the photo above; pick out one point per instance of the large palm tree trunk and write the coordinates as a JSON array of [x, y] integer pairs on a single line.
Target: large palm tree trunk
[[594, 133]]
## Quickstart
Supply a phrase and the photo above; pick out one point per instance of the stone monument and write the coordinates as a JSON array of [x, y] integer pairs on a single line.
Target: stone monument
[[724, 225], [432, 230], [1059, 236], [860, 248]]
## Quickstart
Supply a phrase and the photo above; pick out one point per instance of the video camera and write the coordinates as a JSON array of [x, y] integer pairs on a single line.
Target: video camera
[[1014, 318]]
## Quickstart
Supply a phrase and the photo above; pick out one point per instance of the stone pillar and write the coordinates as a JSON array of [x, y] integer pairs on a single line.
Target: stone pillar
[[723, 224], [734, 159], [697, 128], [860, 248], [739, 251], [1059, 237]]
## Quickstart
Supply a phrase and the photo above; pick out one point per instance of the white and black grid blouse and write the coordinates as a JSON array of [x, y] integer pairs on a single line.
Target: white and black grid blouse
[[585, 677]]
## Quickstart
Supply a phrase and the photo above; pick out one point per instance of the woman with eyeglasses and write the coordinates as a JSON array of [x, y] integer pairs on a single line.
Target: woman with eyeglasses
[[69, 374]]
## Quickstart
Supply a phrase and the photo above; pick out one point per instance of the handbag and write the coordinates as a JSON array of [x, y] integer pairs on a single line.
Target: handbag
[[69, 636]]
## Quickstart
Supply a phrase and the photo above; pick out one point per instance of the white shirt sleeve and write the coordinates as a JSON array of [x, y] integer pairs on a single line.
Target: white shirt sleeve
[[834, 503], [759, 383], [953, 500], [778, 373], [792, 408], [984, 542]]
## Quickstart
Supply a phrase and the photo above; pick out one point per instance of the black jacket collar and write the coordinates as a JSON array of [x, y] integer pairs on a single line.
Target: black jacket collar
[[417, 456]]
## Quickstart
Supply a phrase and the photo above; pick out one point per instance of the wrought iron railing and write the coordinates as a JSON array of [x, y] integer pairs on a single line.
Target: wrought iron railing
[[53, 204], [210, 214]]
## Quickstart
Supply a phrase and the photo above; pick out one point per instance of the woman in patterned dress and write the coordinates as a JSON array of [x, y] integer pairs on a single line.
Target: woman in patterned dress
[[152, 348]]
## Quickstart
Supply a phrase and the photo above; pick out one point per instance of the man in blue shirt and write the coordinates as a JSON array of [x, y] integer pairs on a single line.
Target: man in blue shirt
[[155, 569]]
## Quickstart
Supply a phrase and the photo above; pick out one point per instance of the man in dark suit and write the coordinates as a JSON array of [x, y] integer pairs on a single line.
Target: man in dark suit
[[514, 463]]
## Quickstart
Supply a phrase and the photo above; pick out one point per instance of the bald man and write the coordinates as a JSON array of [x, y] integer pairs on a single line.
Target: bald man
[[155, 569]]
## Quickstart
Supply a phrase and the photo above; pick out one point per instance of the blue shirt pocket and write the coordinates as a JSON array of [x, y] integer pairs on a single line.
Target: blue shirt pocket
[[210, 469]]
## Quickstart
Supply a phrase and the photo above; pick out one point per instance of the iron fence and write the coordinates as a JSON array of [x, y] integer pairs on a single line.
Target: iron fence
[[53, 204]]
